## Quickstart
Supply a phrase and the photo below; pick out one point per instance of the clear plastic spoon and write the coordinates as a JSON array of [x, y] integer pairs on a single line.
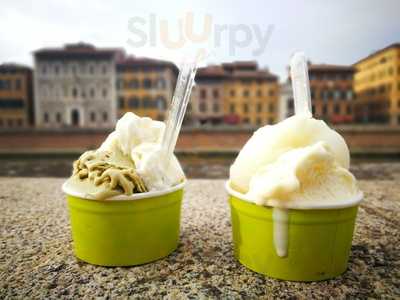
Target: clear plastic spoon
[[177, 110], [300, 84]]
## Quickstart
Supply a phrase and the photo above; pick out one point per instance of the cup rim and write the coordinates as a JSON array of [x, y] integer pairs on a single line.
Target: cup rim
[[353, 202], [70, 191]]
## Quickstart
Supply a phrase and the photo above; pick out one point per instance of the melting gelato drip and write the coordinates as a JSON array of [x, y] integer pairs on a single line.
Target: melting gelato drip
[[129, 161]]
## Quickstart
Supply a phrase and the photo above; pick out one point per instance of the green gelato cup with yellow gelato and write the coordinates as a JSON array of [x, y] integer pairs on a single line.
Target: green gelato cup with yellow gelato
[[293, 201], [292, 244]]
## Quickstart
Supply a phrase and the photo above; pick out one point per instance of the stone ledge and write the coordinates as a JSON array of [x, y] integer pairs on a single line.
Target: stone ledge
[[36, 259]]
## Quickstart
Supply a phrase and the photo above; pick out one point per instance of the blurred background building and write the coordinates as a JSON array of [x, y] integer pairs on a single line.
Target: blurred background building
[[145, 86], [75, 86], [16, 99], [207, 99], [377, 85], [332, 92]]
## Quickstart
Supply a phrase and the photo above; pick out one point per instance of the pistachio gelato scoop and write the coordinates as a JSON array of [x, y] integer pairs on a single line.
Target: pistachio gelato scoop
[[127, 163], [111, 173]]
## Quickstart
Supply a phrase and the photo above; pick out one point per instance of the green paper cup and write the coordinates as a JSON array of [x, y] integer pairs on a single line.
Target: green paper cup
[[125, 231], [292, 244]]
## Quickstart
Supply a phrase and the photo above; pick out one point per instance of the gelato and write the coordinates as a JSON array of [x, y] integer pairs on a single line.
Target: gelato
[[129, 161], [297, 163]]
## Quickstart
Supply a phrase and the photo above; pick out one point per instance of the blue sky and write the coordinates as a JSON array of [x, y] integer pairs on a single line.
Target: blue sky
[[337, 32]]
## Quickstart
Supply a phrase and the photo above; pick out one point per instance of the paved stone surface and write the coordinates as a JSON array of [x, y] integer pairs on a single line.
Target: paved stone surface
[[36, 259]]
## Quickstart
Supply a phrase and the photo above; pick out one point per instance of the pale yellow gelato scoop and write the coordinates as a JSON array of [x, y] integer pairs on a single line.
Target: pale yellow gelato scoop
[[298, 163]]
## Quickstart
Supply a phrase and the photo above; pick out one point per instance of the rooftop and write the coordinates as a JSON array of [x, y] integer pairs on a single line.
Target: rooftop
[[330, 68], [77, 49], [391, 46]]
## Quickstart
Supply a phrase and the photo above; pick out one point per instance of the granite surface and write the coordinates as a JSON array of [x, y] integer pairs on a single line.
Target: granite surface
[[36, 259]]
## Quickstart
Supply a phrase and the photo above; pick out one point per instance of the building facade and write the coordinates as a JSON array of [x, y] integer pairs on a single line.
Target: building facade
[[16, 109], [251, 95], [145, 86], [75, 86], [377, 85], [237, 93], [332, 93], [207, 106]]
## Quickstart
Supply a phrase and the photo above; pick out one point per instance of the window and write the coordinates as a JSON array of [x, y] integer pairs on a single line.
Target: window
[[56, 69], [337, 109], [390, 71], [161, 83], [5, 85], [258, 121], [134, 102], [246, 93], [233, 92], [348, 109], [232, 108], [203, 93], [215, 93], [216, 107], [105, 116], [121, 102], [93, 116], [1, 122], [271, 107], [92, 93], [324, 109], [147, 83], [104, 93], [58, 117], [246, 107], [104, 69], [74, 92], [91, 69], [259, 107], [83, 94], [189, 107], [46, 117], [147, 102], [18, 84], [312, 94], [313, 108], [246, 120], [11, 103], [271, 120], [74, 69], [259, 93], [271, 93], [203, 106], [19, 122], [44, 70], [133, 84], [349, 95], [336, 95], [10, 122]]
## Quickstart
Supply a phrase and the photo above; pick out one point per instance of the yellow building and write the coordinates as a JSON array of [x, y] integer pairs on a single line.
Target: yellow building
[[377, 87], [251, 95], [15, 96], [145, 86]]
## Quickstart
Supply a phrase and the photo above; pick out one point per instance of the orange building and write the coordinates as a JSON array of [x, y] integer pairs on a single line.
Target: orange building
[[16, 107], [237, 93], [377, 85], [332, 92], [145, 86]]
